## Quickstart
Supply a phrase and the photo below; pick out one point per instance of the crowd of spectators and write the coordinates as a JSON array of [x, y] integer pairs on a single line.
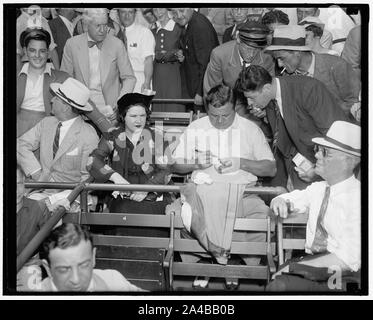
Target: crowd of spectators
[[277, 78]]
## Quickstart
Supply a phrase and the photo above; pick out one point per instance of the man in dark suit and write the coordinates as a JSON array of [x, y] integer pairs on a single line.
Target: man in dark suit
[[62, 28], [197, 43], [298, 109], [239, 16], [337, 74]]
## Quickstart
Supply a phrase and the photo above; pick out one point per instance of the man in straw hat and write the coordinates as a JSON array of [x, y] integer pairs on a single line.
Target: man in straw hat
[[333, 227], [65, 142], [298, 109], [289, 49]]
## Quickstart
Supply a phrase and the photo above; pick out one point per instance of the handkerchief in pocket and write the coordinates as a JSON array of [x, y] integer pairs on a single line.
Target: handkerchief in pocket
[[74, 152]]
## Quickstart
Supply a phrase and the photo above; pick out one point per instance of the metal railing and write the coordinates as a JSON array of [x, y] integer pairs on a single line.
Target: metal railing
[[82, 190]]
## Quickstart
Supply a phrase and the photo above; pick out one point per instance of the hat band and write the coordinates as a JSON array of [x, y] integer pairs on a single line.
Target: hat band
[[68, 99], [342, 145], [300, 42]]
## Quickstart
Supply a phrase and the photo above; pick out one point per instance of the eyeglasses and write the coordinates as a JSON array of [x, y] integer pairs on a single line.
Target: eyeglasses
[[324, 151]]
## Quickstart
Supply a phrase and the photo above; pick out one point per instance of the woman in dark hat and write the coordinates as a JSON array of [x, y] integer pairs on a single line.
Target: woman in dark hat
[[131, 150]]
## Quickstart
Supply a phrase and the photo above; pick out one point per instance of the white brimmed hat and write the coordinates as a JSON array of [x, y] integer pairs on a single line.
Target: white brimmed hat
[[343, 136], [291, 37], [73, 92]]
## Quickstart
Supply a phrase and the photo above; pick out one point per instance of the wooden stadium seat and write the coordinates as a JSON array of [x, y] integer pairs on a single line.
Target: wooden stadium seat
[[288, 243], [261, 272], [172, 118]]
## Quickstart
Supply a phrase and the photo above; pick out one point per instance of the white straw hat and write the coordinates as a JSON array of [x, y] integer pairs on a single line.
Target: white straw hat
[[73, 92], [291, 37]]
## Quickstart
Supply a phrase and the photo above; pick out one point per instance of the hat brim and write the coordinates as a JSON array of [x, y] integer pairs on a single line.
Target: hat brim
[[55, 86], [291, 48], [323, 142]]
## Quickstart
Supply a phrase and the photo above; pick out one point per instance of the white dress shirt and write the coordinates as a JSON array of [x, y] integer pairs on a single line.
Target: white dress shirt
[[33, 99], [342, 218], [69, 25], [66, 125]]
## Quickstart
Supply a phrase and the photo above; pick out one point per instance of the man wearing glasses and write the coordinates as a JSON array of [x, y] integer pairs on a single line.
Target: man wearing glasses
[[100, 61], [334, 215], [298, 109]]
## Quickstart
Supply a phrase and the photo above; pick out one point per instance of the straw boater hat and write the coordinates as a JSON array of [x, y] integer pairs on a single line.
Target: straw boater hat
[[343, 136], [253, 34], [307, 21], [289, 38], [73, 92]]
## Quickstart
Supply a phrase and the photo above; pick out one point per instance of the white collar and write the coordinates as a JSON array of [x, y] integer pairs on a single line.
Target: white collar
[[129, 28], [66, 20], [68, 123], [311, 69], [343, 186], [168, 27], [25, 68]]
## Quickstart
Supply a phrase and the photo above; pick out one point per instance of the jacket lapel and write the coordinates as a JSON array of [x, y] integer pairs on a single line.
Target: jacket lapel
[[21, 88], [48, 79], [69, 139], [104, 61], [83, 57]]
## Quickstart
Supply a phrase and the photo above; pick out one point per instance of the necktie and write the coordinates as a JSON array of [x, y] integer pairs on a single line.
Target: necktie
[[122, 36], [320, 242], [93, 43], [277, 126], [56, 142]]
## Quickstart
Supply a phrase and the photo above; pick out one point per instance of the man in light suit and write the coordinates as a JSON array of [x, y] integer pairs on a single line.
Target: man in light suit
[[100, 61], [288, 47], [298, 109], [65, 142]]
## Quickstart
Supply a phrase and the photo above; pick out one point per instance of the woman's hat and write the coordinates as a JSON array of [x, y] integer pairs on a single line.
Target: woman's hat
[[74, 93], [343, 136], [253, 34], [132, 99], [291, 37]]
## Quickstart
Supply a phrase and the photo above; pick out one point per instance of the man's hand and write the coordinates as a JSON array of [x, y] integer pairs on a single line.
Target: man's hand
[[179, 55], [138, 196], [228, 165], [257, 111], [307, 176], [198, 101], [118, 179], [204, 159], [36, 175], [281, 207], [145, 86]]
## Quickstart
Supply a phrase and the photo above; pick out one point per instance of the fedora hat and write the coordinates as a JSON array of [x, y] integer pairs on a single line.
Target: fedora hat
[[253, 34], [74, 93], [289, 38], [343, 136]]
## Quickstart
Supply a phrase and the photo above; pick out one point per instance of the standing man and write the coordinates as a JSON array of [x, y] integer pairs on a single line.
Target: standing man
[[333, 238], [62, 28], [100, 61], [298, 109], [140, 45], [290, 50], [65, 142], [199, 40], [239, 16]]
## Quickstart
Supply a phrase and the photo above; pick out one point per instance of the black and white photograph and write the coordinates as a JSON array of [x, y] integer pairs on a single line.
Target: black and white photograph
[[185, 151]]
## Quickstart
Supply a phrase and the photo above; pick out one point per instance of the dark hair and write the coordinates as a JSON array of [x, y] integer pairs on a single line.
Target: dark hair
[[315, 29], [133, 99], [34, 34], [148, 10], [218, 96], [275, 16], [65, 236], [252, 78]]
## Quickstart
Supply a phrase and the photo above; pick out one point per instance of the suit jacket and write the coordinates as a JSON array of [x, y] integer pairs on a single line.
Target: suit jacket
[[227, 36], [197, 43], [60, 34], [56, 76], [225, 65], [309, 109], [352, 49], [69, 164], [340, 79], [115, 66]]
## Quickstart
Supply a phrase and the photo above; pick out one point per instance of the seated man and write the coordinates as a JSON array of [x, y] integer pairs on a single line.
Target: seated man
[[69, 259], [230, 149], [333, 227], [65, 142]]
